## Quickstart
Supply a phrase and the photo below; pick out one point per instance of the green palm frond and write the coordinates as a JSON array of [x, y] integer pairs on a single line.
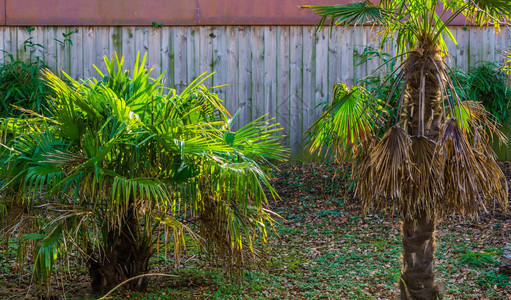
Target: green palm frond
[[357, 13], [47, 250], [472, 116], [485, 12], [507, 63], [257, 140], [347, 123]]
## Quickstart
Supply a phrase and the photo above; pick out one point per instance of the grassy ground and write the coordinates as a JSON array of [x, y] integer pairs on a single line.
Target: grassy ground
[[324, 249]]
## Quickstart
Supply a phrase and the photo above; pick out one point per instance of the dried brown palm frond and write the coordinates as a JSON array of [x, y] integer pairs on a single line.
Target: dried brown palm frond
[[497, 185], [471, 178], [478, 117], [382, 175], [427, 183], [220, 246]]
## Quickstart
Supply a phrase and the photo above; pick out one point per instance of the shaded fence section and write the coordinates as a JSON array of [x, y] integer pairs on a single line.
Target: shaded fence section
[[285, 71]]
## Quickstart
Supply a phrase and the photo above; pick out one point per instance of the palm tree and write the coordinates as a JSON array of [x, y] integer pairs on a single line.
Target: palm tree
[[115, 165], [433, 159]]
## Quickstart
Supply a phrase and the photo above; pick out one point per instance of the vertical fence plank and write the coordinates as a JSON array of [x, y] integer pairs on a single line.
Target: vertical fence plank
[[296, 89], [501, 43], [321, 83], [154, 50], [142, 43], [88, 51], [488, 44], [283, 79], [101, 47], [451, 46], [179, 38], [22, 37], [166, 56], [35, 51], [76, 54], [360, 40], [346, 56], [128, 47], [2, 41], [462, 49], [192, 64], [334, 59], [475, 42], [231, 100], [138, 42], [219, 60], [10, 42], [60, 50], [373, 41], [50, 56], [244, 76], [270, 70], [257, 92], [65, 36], [205, 45], [309, 73], [115, 44]]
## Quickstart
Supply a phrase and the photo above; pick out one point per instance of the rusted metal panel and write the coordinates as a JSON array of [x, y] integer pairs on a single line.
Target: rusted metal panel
[[167, 12], [99, 12], [269, 12], [261, 12], [2, 12]]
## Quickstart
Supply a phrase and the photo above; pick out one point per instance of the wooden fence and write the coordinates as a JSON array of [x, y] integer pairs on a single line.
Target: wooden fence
[[285, 71]]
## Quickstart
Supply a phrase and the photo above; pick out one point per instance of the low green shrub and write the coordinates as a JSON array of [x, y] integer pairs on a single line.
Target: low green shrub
[[486, 82], [21, 86]]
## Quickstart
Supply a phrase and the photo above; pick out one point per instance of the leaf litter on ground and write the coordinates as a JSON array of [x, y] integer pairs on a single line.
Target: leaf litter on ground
[[324, 249]]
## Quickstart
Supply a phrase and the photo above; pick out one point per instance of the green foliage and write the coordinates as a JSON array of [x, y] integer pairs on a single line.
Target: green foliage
[[345, 123], [413, 23], [486, 83], [66, 38], [476, 259], [123, 148], [21, 86], [491, 278]]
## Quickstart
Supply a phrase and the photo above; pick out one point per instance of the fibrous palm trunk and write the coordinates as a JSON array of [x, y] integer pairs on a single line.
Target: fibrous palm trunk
[[418, 279], [125, 257], [423, 116]]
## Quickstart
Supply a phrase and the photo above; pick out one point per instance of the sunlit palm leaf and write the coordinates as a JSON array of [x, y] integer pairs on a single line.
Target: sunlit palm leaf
[[347, 123], [357, 13]]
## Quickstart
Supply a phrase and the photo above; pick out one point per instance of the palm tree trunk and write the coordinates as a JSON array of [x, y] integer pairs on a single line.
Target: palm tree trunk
[[126, 256], [417, 278], [423, 112]]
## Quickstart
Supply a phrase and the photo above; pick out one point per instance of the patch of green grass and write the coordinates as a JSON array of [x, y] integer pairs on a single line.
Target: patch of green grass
[[490, 279], [478, 260]]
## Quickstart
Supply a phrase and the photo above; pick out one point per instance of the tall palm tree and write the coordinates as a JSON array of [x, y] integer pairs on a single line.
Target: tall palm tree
[[114, 165], [433, 159]]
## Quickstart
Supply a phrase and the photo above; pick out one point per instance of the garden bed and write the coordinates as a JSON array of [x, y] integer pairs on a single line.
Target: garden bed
[[324, 248]]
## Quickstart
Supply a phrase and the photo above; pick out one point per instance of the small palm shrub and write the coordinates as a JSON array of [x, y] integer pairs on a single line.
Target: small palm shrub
[[116, 166]]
